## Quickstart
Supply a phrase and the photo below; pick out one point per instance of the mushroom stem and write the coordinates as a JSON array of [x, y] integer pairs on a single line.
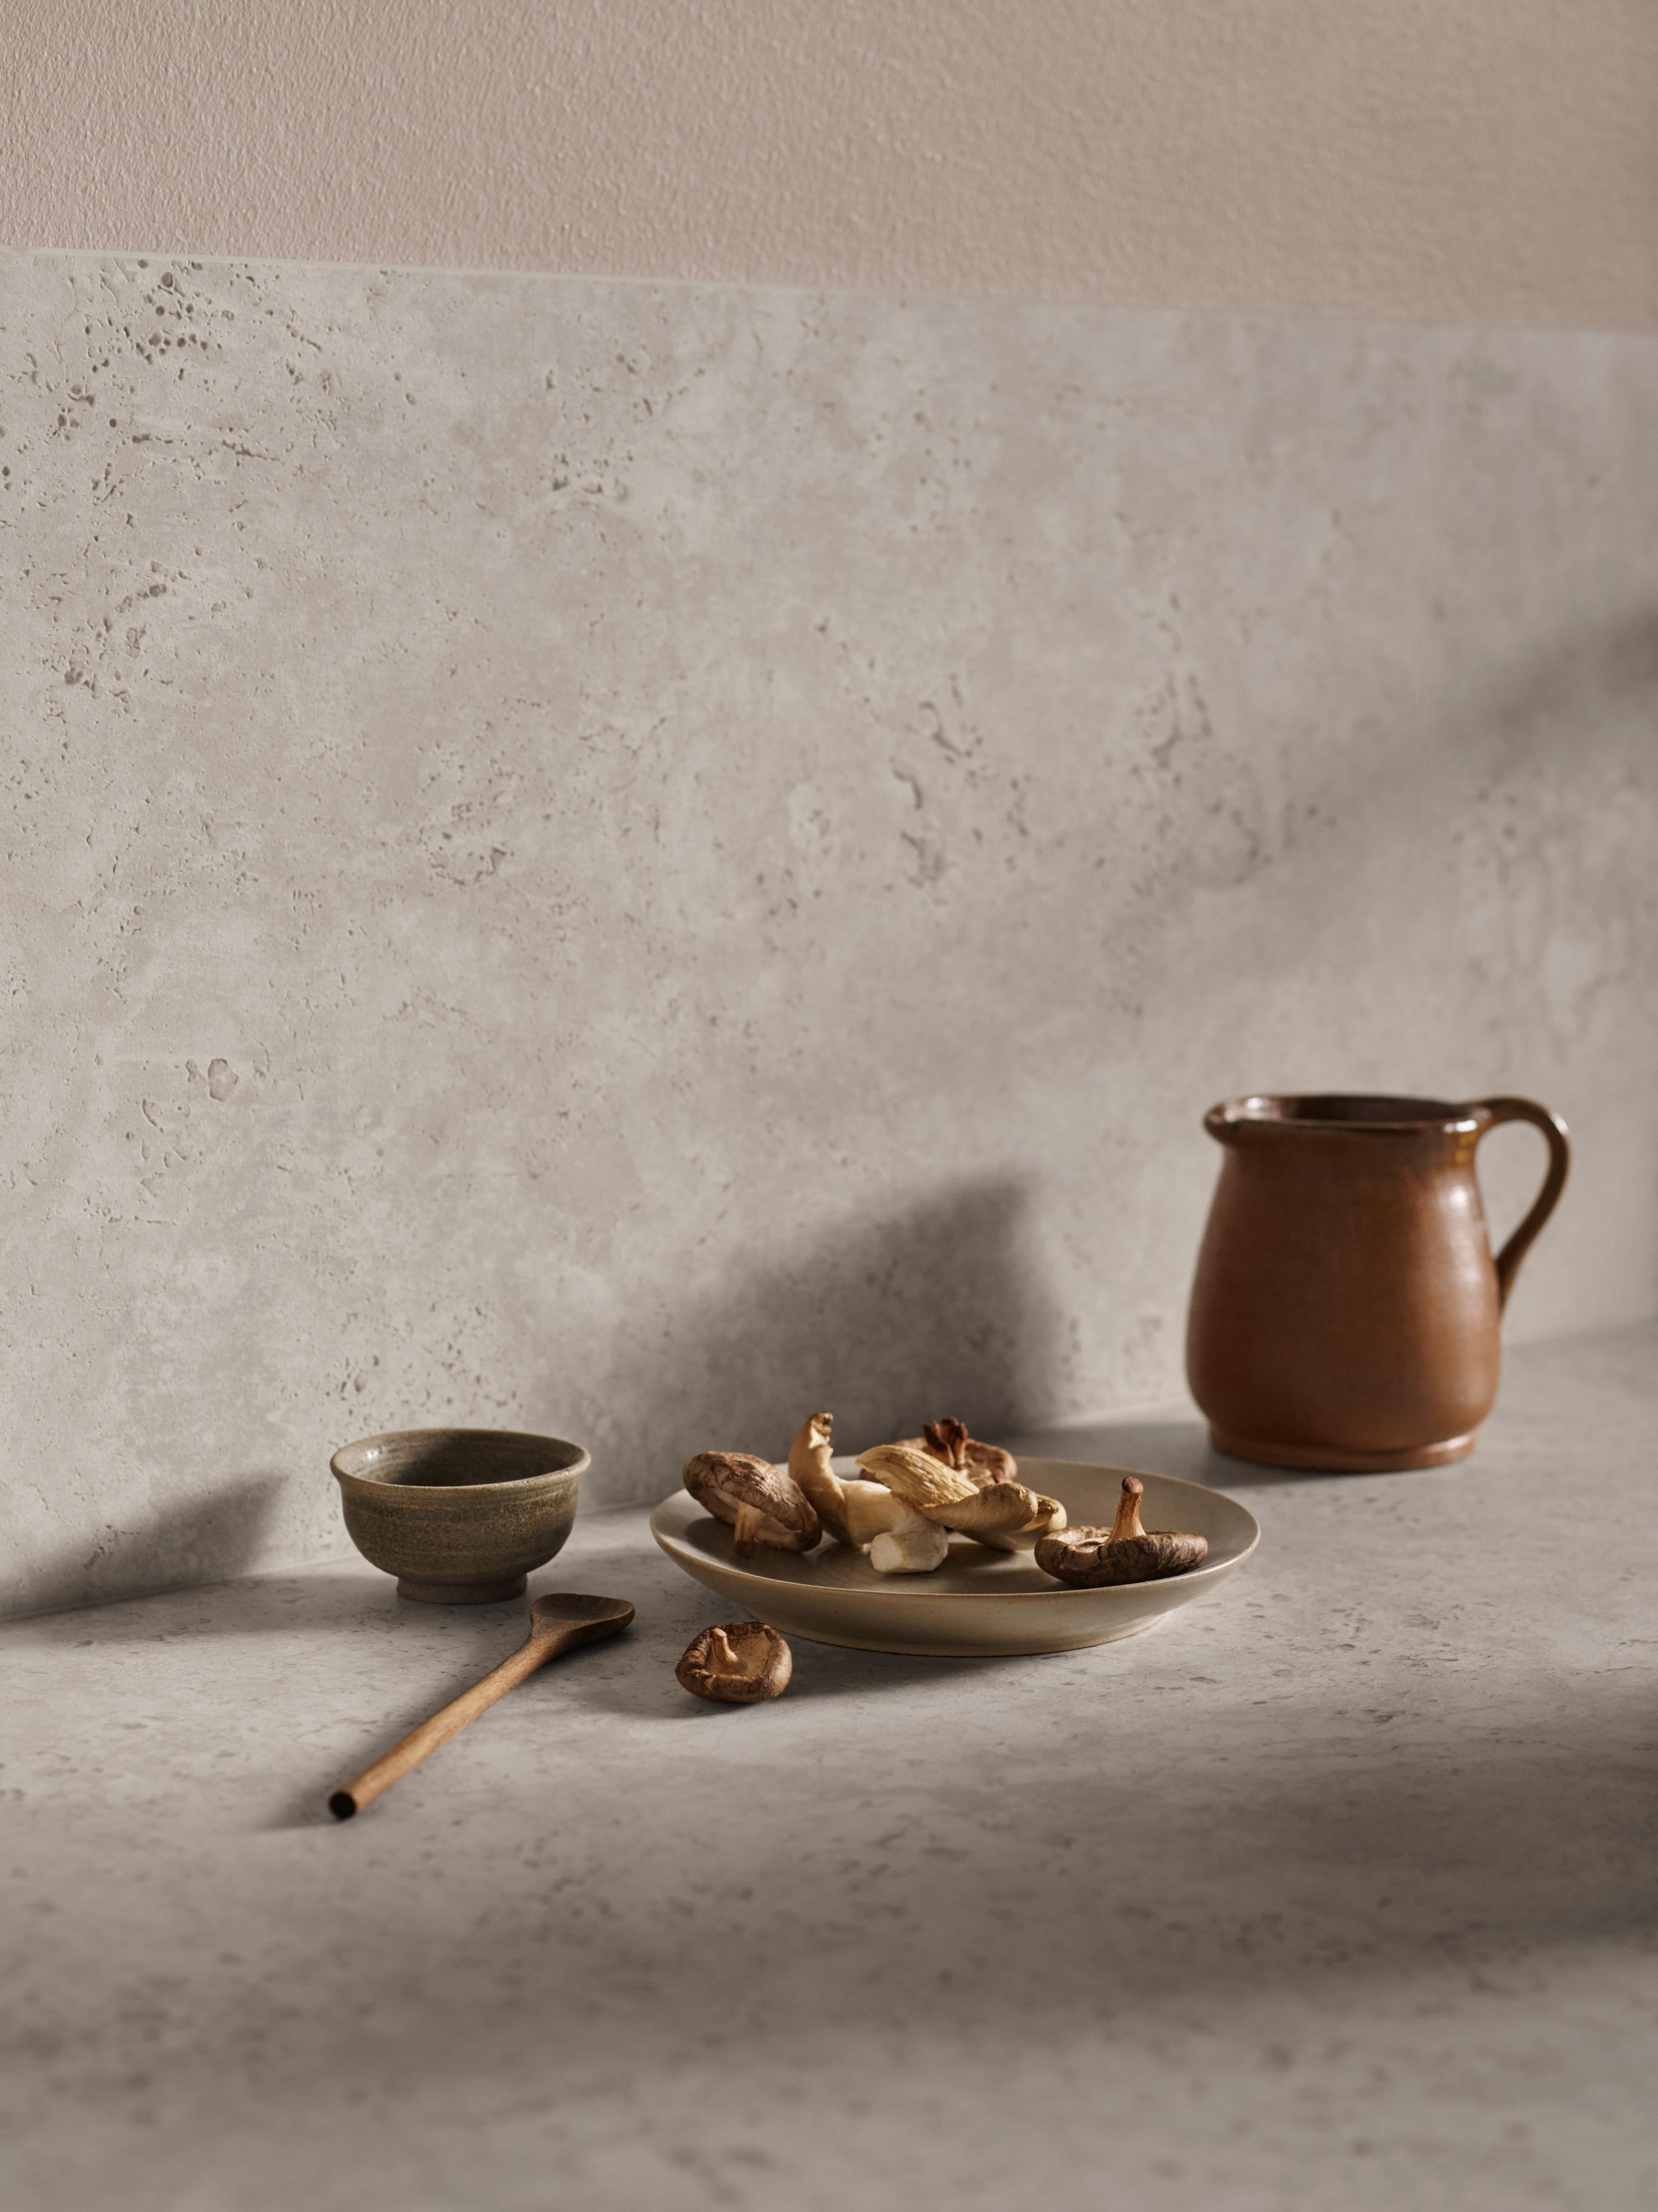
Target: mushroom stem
[[811, 1462], [911, 1545], [747, 1520], [1127, 1522]]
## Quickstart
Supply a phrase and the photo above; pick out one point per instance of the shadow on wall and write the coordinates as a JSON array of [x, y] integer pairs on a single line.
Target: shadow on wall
[[1614, 664], [206, 1538], [940, 1310], [885, 1324]]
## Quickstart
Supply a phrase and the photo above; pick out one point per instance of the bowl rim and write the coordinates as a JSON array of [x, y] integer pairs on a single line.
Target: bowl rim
[[576, 1468], [905, 1585]]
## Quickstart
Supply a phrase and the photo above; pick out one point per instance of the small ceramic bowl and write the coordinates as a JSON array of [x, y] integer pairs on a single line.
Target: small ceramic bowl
[[459, 1516]]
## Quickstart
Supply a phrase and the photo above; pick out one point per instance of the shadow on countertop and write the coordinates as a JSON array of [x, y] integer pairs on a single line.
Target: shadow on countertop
[[1172, 1444]]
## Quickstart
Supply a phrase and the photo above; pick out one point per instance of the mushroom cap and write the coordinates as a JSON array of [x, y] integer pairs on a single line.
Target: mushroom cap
[[724, 1482], [1092, 1558], [947, 1439], [988, 1463], [1004, 1514], [738, 1663], [915, 1476]]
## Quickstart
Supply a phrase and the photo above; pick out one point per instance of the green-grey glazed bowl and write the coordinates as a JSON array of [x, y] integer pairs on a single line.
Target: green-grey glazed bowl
[[459, 1516]]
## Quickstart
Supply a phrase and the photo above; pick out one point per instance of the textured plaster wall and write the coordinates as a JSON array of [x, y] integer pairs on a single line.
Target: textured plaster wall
[[1462, 160], [639, 860]]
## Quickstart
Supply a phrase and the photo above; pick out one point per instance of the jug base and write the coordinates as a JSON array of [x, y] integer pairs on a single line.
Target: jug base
[[1317, 1458]]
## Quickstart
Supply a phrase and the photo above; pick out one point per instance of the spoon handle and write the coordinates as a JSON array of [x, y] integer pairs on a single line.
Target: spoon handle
[[419, 1742]]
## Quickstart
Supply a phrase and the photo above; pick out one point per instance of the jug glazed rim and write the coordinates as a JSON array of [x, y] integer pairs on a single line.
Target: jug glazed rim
[[1347, 1113]]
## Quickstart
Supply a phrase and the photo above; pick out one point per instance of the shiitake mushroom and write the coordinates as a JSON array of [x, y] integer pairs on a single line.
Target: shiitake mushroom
[[739, 1662], [763, 1503], [1099, 1559]]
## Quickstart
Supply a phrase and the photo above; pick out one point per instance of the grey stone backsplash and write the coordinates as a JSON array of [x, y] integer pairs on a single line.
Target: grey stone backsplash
[[637, 860]]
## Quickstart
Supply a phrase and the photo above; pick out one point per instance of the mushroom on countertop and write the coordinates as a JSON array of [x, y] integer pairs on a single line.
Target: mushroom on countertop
[[1097, 1558], [738, 1663], [763, 1503]]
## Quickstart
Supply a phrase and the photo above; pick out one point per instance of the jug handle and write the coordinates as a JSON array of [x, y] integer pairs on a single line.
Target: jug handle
[[1527, 1109]]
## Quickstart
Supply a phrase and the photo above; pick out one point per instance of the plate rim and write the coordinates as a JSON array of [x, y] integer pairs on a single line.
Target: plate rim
[[905, 1585]]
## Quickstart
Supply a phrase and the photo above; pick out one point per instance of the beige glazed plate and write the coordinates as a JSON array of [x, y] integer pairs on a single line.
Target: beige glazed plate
[[979, 1604]]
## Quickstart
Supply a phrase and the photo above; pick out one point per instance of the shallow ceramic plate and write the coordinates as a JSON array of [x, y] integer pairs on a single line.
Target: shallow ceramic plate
[[979, 1604]]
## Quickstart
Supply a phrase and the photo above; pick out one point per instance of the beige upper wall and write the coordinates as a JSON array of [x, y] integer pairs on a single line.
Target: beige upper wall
[[1458, 160]]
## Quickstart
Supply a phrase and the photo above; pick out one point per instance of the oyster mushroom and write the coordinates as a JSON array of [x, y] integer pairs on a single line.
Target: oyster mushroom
[[916, 1476], [866, 1516], [895, 1537], [812, 1464], [1096, 1559], [1005, 1516], [738, 1663], [763, 1503]]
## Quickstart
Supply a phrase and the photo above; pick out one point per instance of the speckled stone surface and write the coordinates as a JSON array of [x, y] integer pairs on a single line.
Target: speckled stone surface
[[622, 859], [1337, 1892]]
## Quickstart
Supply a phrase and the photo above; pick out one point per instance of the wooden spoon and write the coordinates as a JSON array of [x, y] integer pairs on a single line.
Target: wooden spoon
[[561, 1623]]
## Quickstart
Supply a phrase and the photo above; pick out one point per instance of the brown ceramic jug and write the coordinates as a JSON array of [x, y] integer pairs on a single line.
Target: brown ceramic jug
[[1347, 1309]]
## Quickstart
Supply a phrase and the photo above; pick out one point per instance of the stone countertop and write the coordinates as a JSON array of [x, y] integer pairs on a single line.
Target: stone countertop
[[1338, 1892]]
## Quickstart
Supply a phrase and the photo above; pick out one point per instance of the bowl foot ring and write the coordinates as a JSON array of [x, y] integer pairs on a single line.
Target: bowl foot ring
[[495, 1592]]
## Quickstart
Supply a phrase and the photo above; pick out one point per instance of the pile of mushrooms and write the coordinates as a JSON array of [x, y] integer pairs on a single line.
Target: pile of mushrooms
[[900, 1511], [907, 1499]]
